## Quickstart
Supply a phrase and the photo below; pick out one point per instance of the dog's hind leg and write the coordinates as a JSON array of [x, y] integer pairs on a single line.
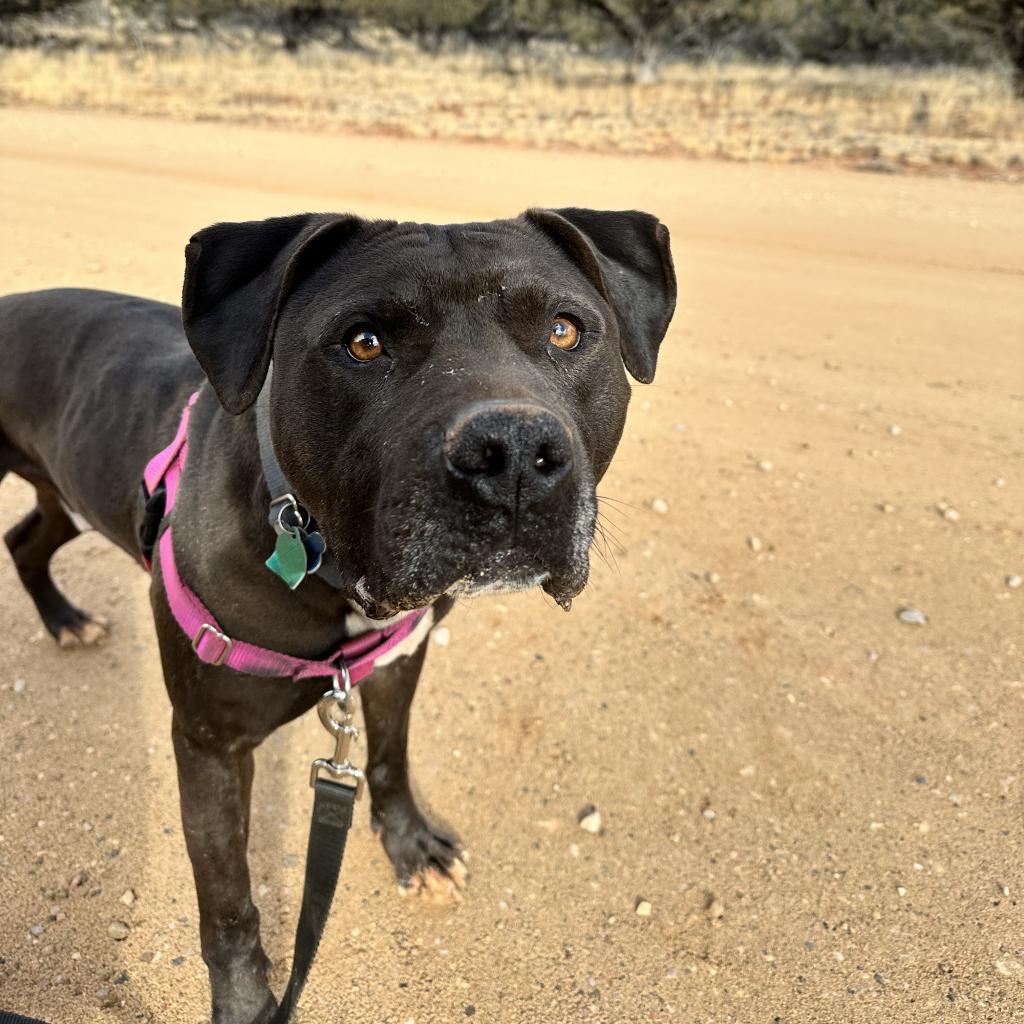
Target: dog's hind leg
[[32, 543]]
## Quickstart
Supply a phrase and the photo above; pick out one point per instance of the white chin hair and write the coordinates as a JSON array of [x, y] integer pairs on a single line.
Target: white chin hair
[[477, 588]]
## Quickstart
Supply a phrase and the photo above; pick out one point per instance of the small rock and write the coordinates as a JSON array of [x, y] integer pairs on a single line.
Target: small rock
[[118, 931], [895, 430], [755, 544], [714, 908], [590, 819], [106, 997], [660, 506], [1014, 581], [19, 685], [78, 879], [1008, 968], [643, 908], [901, 890], [887, 508], [709, 814], [442, 636], [912, 616], [36, 930], [999, 482], [766, 465], [712, 577], [128, 897], [951, 515]]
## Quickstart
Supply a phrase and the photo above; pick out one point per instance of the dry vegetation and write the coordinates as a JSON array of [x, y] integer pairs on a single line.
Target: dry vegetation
[[955, 121]]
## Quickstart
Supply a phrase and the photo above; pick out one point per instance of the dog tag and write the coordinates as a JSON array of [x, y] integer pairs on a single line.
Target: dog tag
[[289, 560], [315, 548]]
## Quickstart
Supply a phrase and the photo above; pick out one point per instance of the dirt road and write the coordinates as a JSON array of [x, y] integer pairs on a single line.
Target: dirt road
[[821, 803]]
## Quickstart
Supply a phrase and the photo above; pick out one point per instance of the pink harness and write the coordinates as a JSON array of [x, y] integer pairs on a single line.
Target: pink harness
[[211, 644]]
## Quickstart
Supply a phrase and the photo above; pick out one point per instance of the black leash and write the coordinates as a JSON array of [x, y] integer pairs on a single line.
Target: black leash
[[333, 802], [328, 831]]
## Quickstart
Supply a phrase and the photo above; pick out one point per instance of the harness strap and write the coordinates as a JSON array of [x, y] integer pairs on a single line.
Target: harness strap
[[214, 647]]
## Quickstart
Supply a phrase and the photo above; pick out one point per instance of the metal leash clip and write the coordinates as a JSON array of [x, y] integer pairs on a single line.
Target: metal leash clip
[[336, 711]]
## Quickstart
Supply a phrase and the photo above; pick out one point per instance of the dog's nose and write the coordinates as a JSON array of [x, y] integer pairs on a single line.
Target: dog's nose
[[508, 454]]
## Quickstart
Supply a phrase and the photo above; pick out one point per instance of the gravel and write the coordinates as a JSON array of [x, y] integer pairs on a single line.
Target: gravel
[[912, 617]]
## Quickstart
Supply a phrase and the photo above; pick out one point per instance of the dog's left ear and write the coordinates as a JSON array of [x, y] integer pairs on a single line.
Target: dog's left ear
[[237, 277], [626, 255]]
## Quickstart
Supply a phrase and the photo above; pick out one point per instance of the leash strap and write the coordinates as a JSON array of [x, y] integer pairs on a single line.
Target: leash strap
[[328, 832]]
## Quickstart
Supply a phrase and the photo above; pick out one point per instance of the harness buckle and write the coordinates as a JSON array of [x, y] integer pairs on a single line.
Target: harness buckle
[[206, 629], [336, 712]]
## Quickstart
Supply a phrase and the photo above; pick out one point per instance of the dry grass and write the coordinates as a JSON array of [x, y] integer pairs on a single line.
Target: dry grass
[[876, 119]]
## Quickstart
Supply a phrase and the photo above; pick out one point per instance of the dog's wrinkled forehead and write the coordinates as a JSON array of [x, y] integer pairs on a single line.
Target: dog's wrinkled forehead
[[430, 265]]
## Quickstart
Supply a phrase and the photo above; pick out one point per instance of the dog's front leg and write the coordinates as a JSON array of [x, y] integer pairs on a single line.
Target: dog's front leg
[[427, 860], [215, 786]]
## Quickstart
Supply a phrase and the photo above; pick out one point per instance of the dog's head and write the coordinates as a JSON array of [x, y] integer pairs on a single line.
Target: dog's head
[[444, 398]]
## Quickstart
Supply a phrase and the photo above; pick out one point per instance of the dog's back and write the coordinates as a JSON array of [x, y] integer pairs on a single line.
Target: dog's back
[[80, 363]]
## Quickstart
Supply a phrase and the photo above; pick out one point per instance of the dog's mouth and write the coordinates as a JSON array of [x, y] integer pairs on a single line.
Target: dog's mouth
[[417, 575]]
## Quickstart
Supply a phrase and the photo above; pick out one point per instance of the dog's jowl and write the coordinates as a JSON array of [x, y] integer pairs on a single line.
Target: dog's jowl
[[346, 425]]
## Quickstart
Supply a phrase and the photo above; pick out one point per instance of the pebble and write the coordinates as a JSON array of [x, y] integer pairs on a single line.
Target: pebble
[[755, 544], [590, 820], [1014, 581], [36, 930], [118, 931], [714, 908], [643, 908], [766, 465], [912, 616], [895, 430], [128, 897], [709, 814], [712, 577], [442, 636], [19, 685], [660, 506], [951, 515], [106, 997], [887, 508]]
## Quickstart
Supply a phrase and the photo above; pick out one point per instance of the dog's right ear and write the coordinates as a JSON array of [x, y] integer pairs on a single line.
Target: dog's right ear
[[237, 277]]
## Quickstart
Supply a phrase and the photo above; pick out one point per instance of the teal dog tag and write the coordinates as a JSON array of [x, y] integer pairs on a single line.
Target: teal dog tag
[[289, 560]]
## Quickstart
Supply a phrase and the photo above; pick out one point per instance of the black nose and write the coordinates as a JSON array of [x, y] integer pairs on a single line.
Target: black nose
[[508, 454]]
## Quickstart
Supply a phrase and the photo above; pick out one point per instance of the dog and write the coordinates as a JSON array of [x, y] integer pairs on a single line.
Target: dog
[[441, 401]]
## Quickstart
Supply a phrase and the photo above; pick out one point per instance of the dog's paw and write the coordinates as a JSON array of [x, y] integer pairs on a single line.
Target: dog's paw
[[93, 629], [436, 884], [429, 864]]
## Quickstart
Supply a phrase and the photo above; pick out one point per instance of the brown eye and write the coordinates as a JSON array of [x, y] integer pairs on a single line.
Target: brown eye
[[364, 346], [564, 333]]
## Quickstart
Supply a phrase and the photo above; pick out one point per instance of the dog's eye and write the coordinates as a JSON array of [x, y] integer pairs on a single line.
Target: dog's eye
[[364, 346], [564, 333]]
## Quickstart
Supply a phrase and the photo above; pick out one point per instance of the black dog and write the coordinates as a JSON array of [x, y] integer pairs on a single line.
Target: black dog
[[443, 402]]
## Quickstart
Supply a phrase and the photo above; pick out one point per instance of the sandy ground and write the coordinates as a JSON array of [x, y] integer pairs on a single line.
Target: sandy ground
[[822, 804]]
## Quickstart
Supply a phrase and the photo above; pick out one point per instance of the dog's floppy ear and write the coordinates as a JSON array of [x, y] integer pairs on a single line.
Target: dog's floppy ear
[[237, 277], [626, 255]]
